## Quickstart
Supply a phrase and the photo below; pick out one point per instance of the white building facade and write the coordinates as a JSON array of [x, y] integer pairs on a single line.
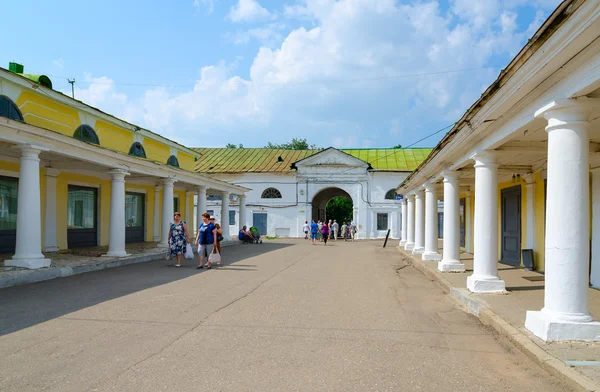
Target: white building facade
[[280, 202]]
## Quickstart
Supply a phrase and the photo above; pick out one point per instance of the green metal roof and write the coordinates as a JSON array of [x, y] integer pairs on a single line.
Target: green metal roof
[[269, 160]]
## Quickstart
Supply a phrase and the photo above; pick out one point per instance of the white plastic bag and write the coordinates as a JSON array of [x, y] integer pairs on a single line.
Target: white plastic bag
[[189, 253], [215, 257]]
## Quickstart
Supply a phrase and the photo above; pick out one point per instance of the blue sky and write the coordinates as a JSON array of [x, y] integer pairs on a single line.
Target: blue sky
[[345, 73]]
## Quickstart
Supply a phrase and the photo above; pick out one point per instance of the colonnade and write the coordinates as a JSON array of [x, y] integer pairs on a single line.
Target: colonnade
[[565, 315]]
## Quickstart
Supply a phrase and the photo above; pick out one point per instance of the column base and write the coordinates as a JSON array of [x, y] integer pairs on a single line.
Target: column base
[[402, 243], [32, 263], [551, 330], [116, 254], [156, 239], [162, 245], [49, 249], [485, 284], [409, 246], [431, 256], [418, 251], [451, 266]]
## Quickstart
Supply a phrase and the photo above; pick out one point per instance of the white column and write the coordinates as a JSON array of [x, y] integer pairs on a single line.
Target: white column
[[595, 273], [485, 264], [28, 250], [116, 229], [50, 213], [410, 222], [468, 223], [242, 222], [189, 212], [565, 315], [225, 215], [419, 223], [200, 206], [156, 237], [394, 222], [403, 237], [451, 259], [530, 219], [431, 224], [167, 212]]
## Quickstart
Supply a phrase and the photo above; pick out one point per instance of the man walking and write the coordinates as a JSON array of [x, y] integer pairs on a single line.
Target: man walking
[[335, 227], [305, 229], [314, 230]]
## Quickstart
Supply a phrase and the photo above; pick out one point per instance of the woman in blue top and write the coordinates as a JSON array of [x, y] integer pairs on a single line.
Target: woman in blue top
[[205, 239]]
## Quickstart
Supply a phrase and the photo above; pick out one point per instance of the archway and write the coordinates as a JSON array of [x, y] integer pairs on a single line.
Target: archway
[[332, 201]]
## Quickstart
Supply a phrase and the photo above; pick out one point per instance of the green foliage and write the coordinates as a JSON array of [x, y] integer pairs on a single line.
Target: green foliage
[[295, 144], [340, 209], [397, 146], [230, 145]]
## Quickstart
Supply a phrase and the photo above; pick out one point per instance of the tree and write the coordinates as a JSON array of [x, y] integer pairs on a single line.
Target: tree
[[230, 145], [397, 146], [295, 144], [340, 209]]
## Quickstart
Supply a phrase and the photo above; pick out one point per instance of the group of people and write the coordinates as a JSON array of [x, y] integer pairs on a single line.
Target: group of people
[[322, 231], [208, 239]]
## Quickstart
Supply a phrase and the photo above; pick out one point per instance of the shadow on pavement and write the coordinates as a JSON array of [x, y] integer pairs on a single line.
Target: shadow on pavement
[[27, 305]]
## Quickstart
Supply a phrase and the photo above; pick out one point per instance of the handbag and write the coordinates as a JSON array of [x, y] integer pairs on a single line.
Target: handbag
[[215, 257], [189, 253], [219, 237]]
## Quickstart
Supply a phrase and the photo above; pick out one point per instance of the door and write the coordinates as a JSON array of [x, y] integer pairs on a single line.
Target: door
[[462, 221], [511, 226], [9, 188], [135, 212], [82, 217], [259, 220]]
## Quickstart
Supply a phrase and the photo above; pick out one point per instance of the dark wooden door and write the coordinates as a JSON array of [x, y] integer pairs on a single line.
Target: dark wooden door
[[135, 213], [82, 217], [511, 226], [462, 212], [259, 220]]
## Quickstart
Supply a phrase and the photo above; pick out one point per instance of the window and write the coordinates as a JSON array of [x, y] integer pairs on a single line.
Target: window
[[137, 150], [8, 203], [211, 212], [87, 134], [134, 210], [81, 208], [8, 109], [231, 217], [214, 197], [271, 193], [172, 161], [382, 221], [176, 204], [391, 194]]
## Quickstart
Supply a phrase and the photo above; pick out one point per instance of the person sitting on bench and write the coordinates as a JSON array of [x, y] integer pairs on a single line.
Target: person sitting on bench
[[245, 236]]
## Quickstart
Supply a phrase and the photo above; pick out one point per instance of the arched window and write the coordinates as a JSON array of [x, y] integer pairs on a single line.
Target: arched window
[[137, 150], [8, 109], [391, 194], [172, 161], [87, 134], [271, 193]]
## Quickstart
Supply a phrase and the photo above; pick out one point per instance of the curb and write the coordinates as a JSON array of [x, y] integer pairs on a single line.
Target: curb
[[519, 337], [33, 276]]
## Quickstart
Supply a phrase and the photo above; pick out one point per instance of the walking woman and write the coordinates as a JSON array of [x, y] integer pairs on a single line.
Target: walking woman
[[205, 239], [178, 235], [325, 231], [219, 233]]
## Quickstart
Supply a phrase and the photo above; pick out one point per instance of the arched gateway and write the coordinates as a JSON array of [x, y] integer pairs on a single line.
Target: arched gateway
[[324, 196]]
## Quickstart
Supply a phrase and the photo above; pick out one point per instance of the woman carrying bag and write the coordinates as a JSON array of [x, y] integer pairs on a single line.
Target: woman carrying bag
[[216, 253], [205, 239]]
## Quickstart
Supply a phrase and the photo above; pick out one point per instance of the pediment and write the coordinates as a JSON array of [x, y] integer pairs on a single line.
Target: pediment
[[331, 157]]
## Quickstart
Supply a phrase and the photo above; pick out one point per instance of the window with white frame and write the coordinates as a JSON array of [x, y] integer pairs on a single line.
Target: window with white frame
[[382, 221]]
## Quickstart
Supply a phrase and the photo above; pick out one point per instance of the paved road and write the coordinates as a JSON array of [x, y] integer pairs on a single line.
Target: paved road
[[283, 316]]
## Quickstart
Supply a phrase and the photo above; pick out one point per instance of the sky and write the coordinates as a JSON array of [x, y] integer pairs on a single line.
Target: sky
[[341, 73]]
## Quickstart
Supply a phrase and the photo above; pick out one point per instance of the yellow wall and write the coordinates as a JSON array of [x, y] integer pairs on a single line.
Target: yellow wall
[[113, 137], [540, 223], [186, 161], [46, 113], [156, 151]]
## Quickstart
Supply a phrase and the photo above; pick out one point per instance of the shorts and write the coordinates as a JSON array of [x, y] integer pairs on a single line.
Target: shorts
[[313, 236], [208, 248]]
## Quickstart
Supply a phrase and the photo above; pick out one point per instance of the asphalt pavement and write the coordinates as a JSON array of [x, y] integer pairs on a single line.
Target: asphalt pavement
[[281, 316]]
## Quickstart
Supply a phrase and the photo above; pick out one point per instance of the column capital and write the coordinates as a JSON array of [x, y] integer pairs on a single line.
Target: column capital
[[202, 188], [51, 172], [450, 175], [419, 193], [563, 110], [484, 158], [168, 182], [29, 148], [118, 174], [225, 193], [430, 186]]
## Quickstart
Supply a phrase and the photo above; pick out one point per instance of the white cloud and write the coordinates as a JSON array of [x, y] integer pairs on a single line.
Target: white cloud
[[269, 35], [248, 11], [209, 4], [59, 62], [340, 77]]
